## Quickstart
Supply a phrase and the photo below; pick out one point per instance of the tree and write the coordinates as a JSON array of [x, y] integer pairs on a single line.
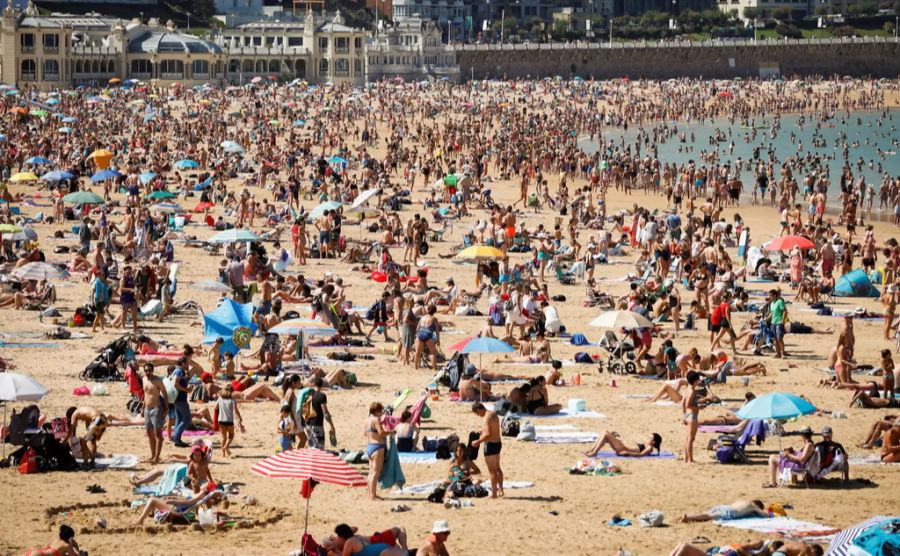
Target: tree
[[782, 13], [751, 13], [788, 31], [889, 27]]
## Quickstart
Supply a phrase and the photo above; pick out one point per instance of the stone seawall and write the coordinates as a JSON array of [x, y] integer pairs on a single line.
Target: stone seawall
[[715, 59]]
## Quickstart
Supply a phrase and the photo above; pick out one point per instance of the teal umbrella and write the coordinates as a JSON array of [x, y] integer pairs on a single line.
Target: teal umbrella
[[187, 164], [323, 208], [777, 405], [231, 321], [83, 198], [157, 195], [234, 235]]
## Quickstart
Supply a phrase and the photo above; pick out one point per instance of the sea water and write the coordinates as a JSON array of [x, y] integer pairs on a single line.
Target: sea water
[[867, 136]]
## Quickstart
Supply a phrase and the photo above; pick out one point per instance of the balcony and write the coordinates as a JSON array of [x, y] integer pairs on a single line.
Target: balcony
[[342, 49], [27, 50], [29, 77], [51, 77], [342, 73], [141, 75], [201, 75], [51, 49], [171, 76]]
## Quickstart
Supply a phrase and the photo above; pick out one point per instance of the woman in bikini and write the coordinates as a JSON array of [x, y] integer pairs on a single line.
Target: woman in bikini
[[691, 408], [426, 337], [612, 440], [538, 400], [64, 545], [375, 446]]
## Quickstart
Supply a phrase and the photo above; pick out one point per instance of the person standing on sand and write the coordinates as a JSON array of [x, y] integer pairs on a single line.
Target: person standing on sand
[[156, 408], [490, 437], [690, 407]]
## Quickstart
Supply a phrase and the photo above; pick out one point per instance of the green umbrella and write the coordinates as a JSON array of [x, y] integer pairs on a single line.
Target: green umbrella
[[451, 180], [83, 198], [161, 195], [38, 113], [9, 229]]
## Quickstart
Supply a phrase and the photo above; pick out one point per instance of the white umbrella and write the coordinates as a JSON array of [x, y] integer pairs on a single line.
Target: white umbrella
[[620, 319], [364, 197], [38, 271], [19, 388], [211, 286]]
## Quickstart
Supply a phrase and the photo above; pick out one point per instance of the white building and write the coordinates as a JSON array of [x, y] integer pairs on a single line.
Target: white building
[[412, 50]]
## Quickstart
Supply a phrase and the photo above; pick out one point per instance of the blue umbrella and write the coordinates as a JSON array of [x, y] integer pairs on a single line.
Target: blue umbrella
[[2, 137], [12, 92], [146, 177], [234, 235], [53, 101], [777, 405], [69, 120], [233, 322], [187, 164], [882, 538], [65, 129], [58, 115], [299, 123], [57, 175], [338, 160], [37, 160], [323, 208], [477, 344], [104, 175], [205, 184]]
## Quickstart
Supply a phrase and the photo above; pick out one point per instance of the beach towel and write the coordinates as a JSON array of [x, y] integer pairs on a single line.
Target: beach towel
[[613, 455], [172, 477], [636, 396], [715, 429], [186, 434], [565, 437], [664, 403], [423, 458], [425, 488], [29, 345], [868, 459], [548, 428], [563, 414], [121, 461], [391, 473], [786, 526]]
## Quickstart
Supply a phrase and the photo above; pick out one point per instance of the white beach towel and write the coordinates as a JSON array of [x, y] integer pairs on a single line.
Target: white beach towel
[[120, 461], [424, 458], [565, 413], [565, 437], [782, 525], [868, 459]]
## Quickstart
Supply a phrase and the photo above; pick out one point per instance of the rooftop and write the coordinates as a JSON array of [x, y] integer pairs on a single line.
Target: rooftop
[[171, 41]]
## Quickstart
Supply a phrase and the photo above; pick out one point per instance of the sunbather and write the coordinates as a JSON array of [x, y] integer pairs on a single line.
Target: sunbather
[[611, 439], [876, 430], [384, 543], [175, 506], [736, 510], [63, 545]]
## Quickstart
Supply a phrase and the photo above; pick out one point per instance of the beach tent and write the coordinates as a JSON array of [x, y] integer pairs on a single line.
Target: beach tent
[[855, 284]]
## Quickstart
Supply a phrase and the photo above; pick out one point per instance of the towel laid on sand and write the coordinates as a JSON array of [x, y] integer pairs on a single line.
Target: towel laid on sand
[[869, 459], [636, 396], [120, 461], [425, 458], [786, 526], [198, 432], [613, 455], [425, 488], [564, 413], [565, 437], [715, 429]]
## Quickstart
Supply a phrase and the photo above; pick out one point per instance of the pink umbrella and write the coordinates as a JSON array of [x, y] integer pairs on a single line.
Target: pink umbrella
[[786, 243]]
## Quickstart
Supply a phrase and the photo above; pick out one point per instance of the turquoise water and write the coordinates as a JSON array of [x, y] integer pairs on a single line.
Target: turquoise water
[[861, 134]]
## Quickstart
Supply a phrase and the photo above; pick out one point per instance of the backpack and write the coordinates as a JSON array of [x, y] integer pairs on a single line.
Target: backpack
[[423, 248], [307, 411], [510, 426]]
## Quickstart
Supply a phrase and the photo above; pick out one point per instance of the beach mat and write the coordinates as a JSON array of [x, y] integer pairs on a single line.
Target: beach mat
[[191, 433], [868, 459], [425, 488], [563, 414], [786, 526], [424, 458], [613, 455], [715, 429], [565, 437], [120, 461]]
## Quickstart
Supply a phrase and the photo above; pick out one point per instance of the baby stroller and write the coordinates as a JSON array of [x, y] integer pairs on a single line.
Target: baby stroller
[[106, 365], [621, 354]]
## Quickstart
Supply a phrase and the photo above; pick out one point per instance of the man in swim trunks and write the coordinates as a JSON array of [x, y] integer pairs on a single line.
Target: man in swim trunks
[[737, 510], [156, 408], [96, 423], [490, 437]]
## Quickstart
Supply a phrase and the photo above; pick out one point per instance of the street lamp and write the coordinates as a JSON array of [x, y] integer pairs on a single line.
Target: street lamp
[[502, 21]]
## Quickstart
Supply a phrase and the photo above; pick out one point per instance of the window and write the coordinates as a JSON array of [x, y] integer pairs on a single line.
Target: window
[[342, 67], [26, 41], [270, 41], [256, 41], [357, 43], [295, 41], [200, 66], [357, 66], [51, 70], [51, 43], [323, 43], [28, 70], [234, 65], [323, 67], [342, 44], [171, 69], [274, 66]]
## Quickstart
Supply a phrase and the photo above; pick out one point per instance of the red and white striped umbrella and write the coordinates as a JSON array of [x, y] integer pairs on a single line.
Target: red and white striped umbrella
[[307, 463]]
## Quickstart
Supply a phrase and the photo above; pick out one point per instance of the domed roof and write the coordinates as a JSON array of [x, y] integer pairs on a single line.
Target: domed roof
[[170, 41]]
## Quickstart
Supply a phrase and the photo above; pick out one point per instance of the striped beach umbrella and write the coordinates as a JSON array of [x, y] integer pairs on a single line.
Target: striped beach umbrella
[[308, 327], [842, 543], [38, 271]]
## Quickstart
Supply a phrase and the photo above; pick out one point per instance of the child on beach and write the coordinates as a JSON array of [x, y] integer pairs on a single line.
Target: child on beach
[[227, 409], [285, 429]]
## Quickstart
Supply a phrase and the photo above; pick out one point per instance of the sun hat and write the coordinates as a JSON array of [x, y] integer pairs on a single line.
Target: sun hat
[[859, 311], [826, 430], [441, 526]]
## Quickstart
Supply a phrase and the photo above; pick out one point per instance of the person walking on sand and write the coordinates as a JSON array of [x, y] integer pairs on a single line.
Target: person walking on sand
[[156, 408], [490, 437], [100, 297], [690, 406], [376, 447], [228, 410]]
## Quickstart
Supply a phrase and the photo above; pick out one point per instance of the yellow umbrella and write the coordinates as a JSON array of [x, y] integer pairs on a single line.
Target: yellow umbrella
[[23, 176], [101, 158], [115, 80], [480, 252]]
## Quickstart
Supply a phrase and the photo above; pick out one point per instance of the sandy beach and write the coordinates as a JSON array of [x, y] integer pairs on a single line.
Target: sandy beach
[[561, 512]]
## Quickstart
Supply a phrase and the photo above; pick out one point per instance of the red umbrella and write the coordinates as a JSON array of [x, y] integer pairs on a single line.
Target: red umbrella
[[203, 206], [313, 466], [786, 243]]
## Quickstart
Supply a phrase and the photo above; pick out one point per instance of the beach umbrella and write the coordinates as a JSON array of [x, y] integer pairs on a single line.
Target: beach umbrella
[[37, 112], [38, 271], [232, 148], [339, 160], [211, 286], [3, 137], [842, 543], [451, 180], [105, 174], [37, 160], [65, 130], [479, 345], [146, 177], [307, 327], [167, 207], [23, 177], [256, 80], [360, 203], [786, 243], [880, 539], [27, 234], [161, 194], [52, 101], [83, 198], [101, 157], [231, 321], [480, 252], [187, 164], [57, 175], [620, 319], [9, 229], [313, 466], [115, 80], [233, 236], [777, 405], [323, 208], [15, 387], [299, 123], [69, 120]]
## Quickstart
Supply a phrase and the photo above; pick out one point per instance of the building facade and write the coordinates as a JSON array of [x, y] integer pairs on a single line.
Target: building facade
[[412, 50], [453, 17], [61, 50]]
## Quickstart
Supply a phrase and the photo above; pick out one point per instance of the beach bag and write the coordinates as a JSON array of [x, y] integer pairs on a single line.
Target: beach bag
[[578, 339], [653, 518], [526, 432], [59, 428], [135, 405], [99, 390], [29, 463], [583, 357], [437, 495], [308, 412], [423, 249], [510, 426], [731, 454]]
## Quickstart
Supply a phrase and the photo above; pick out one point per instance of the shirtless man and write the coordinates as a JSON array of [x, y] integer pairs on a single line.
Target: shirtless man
[[490, 437], [156, 408], [267, 290], [846, 337], [707, 210], [434, 544], [95, 422], [323, 224]]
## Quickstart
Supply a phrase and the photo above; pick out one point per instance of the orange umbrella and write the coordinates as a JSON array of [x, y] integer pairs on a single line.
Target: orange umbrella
[[115, 80], [19, 110], [101, 158]]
